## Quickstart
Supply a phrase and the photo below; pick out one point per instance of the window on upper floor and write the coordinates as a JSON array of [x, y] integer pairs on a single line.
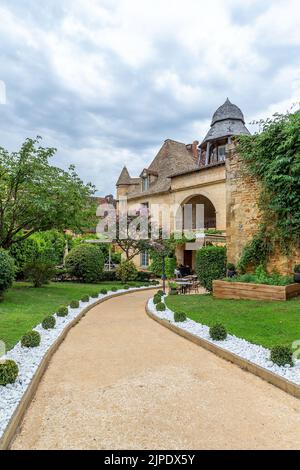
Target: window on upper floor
[[145, 183], [221, 153], [144, 259]]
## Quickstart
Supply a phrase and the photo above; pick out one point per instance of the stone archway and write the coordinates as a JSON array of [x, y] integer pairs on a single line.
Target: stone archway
[[201, 211]]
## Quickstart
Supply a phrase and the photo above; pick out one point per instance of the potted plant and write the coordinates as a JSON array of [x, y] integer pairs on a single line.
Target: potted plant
[[173, 288], [297, 273], [231, 270]]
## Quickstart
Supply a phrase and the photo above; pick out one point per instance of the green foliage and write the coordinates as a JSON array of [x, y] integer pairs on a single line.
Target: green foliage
[[38, 196], [62, 311], [127, 271], [49, 322], [85, 262], [85, 298], [7, 271], [161, 307], [273, 158], [126, 287], [144, 276], [114, 289], [32, 339], [179, 317], [257, 251], [156, 265], [109, 276], [218, 332], [262, 277], [8, 372], [157, 299], [213, 231], [39, 272], [103, 291], [160, 292], [94, 295], [230, 267], [171, 264], [282, 355], [74, 304], [210, 265], [297, 268]]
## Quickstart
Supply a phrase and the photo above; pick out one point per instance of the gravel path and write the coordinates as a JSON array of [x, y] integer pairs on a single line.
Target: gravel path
[[122, 381]]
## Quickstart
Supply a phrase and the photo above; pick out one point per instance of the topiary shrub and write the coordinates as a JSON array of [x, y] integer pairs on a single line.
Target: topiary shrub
[[103, 291], [39, 272], [114, 289], [157, 299], [126, 287], [160, 292], [85, 298], [210, 265], [62, 312], [126, 271], [32, 339], [171, 264], [95, 295], [49, 322], [86, 263], [74, 304], [218, 332], [7, 271], [160, 307], [282, 355], [8, 372], [179, 317]]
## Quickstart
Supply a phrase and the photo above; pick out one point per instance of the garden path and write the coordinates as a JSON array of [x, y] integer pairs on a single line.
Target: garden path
[[122, 381]]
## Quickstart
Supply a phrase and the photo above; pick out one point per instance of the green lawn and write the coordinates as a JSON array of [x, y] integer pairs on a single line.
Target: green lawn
[[260, 322], [24, 307]]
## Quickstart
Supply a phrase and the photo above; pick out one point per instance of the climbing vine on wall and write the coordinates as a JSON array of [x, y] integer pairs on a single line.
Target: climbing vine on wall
[[273, 158]]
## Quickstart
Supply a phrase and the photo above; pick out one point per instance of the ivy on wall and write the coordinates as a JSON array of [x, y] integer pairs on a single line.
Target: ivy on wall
[[273, 158]]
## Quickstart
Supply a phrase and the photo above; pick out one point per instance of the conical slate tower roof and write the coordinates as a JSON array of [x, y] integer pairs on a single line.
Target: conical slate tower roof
[[228, 120], [124, 177]]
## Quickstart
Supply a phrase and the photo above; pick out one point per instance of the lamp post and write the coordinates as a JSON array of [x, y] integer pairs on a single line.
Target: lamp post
[[160, 248]]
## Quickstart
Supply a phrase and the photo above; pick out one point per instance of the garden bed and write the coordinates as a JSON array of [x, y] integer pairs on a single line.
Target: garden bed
[[252, 357], [249, 291]]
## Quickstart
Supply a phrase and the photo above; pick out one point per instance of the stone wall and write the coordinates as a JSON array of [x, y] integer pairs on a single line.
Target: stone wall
[[243, 216]]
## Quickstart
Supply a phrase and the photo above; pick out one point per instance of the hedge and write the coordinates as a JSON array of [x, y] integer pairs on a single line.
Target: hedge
[[210, 265]]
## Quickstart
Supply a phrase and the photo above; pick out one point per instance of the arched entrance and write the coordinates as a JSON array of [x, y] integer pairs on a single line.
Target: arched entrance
[[196, 213]]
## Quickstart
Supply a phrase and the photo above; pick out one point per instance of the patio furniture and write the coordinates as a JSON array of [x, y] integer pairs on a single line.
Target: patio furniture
[[184, 286]]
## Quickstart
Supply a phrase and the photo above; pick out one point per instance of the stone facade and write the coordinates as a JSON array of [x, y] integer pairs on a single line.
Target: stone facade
[[243, 215]]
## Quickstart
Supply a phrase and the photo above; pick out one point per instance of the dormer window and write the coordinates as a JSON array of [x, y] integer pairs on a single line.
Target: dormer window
[[221, 153], [145, 181]]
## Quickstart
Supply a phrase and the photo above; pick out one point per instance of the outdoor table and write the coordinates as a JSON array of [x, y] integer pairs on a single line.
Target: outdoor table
[[184, 286]]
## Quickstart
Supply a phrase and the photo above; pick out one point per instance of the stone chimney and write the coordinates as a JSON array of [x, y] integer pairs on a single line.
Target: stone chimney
[[195, 151]]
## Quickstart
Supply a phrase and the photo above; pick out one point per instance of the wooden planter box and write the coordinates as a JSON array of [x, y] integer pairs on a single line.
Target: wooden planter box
[[244, 290]]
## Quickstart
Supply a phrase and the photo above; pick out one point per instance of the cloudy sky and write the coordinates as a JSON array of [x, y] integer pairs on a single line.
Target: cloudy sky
[[107, 81]]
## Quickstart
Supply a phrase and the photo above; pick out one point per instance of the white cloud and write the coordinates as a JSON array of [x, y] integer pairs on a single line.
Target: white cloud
[[106, 81]]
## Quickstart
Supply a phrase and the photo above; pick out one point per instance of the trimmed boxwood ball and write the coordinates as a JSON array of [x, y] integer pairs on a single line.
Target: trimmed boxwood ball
[[160, 307], [74, 304], [103, 291], [8, 372], [94, 295], [49, 322], [282, 355], [32, 339], [114, 289], [62, 312], [157, 299], [179, 317], [161, 292], [126, 287], [218, 332], [85, 298]]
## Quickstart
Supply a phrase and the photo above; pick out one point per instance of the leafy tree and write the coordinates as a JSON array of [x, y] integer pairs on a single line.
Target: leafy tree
[[35, 196], [272, 157]]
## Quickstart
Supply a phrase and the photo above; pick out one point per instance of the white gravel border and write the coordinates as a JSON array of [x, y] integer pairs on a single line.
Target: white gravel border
[[29, 359], [256, 354]]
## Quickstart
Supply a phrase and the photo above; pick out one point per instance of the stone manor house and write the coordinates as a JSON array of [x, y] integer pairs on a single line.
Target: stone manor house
[[207, 173]]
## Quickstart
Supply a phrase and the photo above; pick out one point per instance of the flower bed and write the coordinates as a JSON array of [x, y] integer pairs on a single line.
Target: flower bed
[[245, 290], [255, 354], [29, 359]]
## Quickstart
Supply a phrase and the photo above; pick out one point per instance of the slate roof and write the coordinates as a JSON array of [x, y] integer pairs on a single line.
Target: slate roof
[[172, 157], [228, 120]]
